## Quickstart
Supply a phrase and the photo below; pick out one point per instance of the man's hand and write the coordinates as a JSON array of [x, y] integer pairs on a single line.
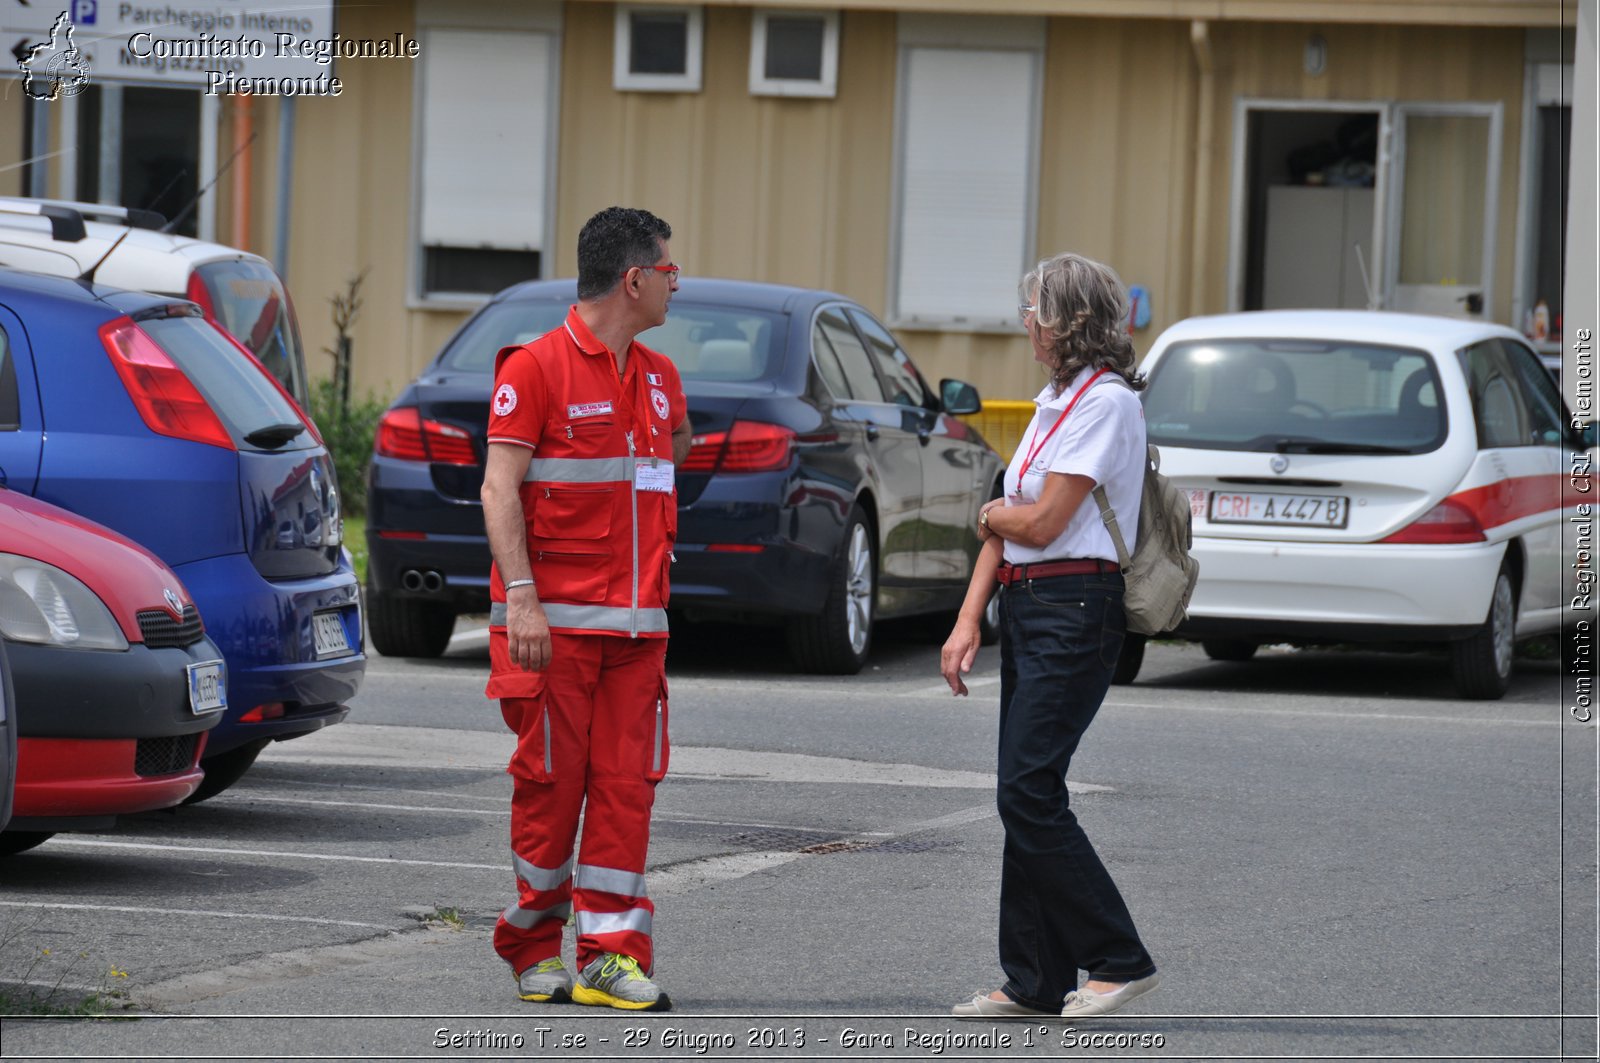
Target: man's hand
[[527, 630], [960, 650]]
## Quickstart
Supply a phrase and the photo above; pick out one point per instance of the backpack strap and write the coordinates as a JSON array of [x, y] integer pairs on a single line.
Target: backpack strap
[[1108, 517]]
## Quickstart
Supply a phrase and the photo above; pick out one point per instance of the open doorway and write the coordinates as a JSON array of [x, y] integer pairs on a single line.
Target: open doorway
[[1310, 207]]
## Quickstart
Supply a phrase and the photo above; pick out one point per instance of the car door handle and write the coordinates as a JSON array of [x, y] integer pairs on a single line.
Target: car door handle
[[872, 431]]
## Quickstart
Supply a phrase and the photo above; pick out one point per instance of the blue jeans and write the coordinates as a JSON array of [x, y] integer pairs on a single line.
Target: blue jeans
[[1059, 909]]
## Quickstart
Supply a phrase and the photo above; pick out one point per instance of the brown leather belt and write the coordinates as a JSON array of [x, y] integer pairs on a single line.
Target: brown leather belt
[[1009, 574]]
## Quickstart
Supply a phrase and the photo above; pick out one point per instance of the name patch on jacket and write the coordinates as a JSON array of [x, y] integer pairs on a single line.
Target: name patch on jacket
[[588, 409]]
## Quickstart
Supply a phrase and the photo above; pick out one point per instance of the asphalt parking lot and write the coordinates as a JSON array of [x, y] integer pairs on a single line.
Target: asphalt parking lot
[[1328, 853]]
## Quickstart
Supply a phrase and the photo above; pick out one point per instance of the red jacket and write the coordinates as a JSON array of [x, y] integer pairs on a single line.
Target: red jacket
[[599, 499]]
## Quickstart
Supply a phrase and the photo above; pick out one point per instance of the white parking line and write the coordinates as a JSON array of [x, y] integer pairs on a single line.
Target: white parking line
[[504, 811], [54, 906], [255, 798], [63, 840], [1383, 717]]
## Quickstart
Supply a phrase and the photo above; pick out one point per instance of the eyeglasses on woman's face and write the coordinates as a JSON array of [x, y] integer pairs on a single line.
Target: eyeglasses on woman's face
[[1025, 311]]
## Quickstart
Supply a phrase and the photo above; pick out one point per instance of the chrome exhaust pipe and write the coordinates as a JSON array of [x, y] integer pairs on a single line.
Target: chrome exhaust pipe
[[433, 581], [411, 580]]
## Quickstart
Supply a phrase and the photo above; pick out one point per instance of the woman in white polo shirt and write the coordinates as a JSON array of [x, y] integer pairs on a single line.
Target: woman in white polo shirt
[[1062, 627]]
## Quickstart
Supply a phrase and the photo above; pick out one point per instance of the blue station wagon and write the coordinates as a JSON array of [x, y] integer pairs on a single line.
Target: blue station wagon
[[135, 411]]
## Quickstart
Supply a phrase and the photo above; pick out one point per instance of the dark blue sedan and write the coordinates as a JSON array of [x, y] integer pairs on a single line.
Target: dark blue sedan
[[828, 486]]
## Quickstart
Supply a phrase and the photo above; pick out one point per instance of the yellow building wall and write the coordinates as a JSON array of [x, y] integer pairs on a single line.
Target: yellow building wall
[[791, 191], [12, 148], [1113, 184], [1441, 64], [351, 211], [800, 190]]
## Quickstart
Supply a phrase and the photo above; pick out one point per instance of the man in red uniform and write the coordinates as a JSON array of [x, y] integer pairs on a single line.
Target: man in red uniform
[[585, 429]]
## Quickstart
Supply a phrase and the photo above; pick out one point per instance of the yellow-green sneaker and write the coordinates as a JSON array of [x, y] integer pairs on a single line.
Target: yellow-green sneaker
[[546, 982], [613, 980]]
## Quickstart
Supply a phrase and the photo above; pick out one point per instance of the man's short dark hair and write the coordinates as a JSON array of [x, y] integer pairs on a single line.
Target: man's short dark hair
[[613, 242]]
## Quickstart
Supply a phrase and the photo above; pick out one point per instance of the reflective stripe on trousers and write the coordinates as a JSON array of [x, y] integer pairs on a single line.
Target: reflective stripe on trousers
[[528, 918], [541, 878], [610, 880], [593, 924]]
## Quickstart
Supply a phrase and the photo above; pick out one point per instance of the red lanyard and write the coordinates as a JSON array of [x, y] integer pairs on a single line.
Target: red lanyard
[[1039, 445]]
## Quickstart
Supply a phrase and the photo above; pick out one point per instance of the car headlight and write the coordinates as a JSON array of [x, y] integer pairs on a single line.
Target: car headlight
[[41, 603]]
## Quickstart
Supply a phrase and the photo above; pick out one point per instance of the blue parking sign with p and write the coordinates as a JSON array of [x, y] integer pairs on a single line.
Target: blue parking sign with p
[[84, 11]]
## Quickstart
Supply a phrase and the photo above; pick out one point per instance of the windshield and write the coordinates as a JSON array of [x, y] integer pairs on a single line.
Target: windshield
[[705, 342], [250, 303], [1295, 395]]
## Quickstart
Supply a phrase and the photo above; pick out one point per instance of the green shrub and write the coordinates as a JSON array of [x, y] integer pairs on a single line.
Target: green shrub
[[348, 434]]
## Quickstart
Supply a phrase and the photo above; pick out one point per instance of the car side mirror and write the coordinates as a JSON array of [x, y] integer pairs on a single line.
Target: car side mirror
[[958, 397]]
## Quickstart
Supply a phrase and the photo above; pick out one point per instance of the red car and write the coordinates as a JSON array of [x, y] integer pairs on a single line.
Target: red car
[[115, 680]]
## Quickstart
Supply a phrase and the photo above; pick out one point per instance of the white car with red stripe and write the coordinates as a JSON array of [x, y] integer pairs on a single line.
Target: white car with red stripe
[[1366, 477]]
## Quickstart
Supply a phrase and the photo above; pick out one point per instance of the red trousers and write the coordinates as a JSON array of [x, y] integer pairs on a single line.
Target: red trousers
[[591, 739]]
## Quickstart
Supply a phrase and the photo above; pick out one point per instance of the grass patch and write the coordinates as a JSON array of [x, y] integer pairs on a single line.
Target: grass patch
[[355, 538], [37, 980], [450, 918]]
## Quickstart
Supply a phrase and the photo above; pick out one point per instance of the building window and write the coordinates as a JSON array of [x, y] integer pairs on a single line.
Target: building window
[[794, 53], [964, 227], [657, 49], [483, 159]]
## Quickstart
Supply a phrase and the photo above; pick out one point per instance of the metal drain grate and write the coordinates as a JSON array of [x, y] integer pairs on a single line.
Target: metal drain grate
[[824, 848]]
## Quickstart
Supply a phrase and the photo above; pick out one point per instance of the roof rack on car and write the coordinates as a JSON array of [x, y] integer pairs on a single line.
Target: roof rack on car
[[66, 224], [133, 217]]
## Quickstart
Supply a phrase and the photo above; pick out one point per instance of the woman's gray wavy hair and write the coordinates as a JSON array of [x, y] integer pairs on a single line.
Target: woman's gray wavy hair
[[1082, 307]]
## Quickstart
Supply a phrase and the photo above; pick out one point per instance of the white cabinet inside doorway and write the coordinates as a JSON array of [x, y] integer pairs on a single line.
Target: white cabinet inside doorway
[[1312, 233]]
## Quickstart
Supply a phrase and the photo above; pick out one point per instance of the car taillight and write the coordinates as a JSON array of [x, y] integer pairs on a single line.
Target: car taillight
[[1448, 522], [748, 446], [199, 293], [405, 435], [166, 399]]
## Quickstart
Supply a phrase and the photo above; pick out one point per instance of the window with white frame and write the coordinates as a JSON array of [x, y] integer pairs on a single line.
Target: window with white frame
[[967, 173], [794, 53], [657, 48], [483, 159]]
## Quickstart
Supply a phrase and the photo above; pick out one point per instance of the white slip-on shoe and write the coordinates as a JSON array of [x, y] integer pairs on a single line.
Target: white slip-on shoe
[[1087, 1004], [983, 1006]]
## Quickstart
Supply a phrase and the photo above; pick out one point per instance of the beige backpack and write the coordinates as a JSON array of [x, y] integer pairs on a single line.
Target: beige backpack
[[1161, 574]]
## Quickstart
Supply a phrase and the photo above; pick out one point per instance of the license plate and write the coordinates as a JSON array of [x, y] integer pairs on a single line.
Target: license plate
[[328, 630], [208, 687], [1255, 507]]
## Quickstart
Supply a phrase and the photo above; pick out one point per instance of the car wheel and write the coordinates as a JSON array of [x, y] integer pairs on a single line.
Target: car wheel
[[225, 769], [13, 842], [409, 627], [1130, 660], [1481, 663], [837, 639], [1228, 649]]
